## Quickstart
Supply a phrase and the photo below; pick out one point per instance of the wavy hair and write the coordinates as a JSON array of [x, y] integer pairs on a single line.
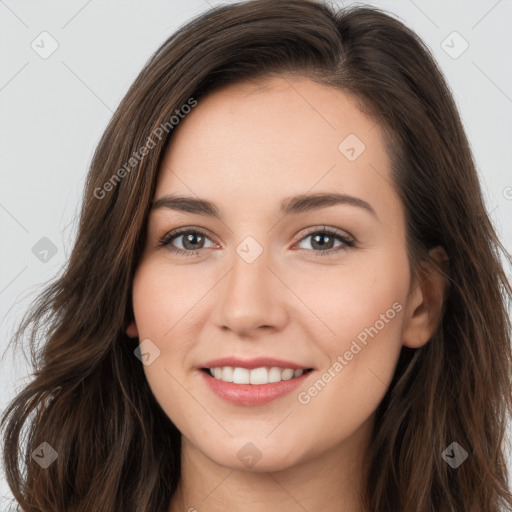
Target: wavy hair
[[89, 398]]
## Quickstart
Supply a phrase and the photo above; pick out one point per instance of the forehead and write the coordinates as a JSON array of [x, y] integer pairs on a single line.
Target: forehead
[[275, 138]]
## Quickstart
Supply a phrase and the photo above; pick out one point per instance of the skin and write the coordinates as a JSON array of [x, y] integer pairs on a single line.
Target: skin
[[245, 148]]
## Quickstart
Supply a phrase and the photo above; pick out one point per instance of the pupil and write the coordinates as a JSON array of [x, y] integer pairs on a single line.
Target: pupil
[[322, 245], [191, 239]]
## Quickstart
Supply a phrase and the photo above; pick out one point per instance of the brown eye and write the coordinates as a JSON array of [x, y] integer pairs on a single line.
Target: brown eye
[[191, 241], [327, 241]]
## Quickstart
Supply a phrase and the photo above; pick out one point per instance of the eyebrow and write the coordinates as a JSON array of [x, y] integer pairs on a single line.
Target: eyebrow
[[291, 205]]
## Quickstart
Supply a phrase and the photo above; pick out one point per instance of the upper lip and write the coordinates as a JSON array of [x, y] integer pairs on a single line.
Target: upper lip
[[257, 362]]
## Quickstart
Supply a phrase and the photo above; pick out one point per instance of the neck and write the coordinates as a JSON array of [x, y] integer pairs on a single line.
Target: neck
[[330, 481]]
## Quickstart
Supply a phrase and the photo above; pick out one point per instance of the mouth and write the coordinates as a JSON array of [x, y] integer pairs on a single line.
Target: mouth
[[253, 386], [256, 376]]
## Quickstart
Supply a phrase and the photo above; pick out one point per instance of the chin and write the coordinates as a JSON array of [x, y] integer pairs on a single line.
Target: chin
[[254, 455]]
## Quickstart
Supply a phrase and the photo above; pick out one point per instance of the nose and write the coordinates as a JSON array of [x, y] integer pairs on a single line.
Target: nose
[[251, 298]]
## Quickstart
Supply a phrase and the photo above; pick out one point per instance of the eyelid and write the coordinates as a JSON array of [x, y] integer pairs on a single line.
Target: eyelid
[[325, 229]]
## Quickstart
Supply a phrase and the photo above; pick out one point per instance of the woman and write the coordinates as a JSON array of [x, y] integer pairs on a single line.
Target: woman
[[285, 292]]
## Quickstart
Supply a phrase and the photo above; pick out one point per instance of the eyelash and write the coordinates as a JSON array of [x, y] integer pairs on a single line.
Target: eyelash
[[348, 242]]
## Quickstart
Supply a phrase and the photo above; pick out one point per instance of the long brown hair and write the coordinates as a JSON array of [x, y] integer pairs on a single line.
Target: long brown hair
[[89, 398]]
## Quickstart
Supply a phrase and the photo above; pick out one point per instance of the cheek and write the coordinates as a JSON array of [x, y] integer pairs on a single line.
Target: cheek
[[364, 311], [165, 307], [348, 390], [164, 299], [352, 298]]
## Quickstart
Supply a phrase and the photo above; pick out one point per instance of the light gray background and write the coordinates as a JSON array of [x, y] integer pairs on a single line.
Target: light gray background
[[54, 110]]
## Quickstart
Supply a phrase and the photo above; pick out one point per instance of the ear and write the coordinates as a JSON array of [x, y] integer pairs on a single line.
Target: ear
[[132, 331], [425, 304]]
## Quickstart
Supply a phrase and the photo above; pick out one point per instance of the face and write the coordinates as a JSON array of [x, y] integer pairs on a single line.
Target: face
[[261, 286]]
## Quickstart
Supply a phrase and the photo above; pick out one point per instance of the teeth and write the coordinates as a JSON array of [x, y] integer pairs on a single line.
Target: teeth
[[287, 374], [274, 374], [226, 374], [241, 376], [256, 376]]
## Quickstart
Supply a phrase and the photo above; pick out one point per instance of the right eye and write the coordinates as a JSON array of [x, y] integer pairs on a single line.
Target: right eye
[[189, 239]]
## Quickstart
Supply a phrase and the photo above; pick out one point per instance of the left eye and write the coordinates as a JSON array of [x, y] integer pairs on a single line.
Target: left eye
[[324, 240]]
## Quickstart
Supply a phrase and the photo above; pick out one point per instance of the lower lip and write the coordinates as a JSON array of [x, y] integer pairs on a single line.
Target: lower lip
[[252, 394]]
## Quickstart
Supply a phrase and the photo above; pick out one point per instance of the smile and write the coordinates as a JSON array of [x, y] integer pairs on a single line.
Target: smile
[[256, 376], [252, 382]]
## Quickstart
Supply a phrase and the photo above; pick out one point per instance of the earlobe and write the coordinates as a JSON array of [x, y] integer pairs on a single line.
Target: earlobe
[[424, 311], [132, 331]]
